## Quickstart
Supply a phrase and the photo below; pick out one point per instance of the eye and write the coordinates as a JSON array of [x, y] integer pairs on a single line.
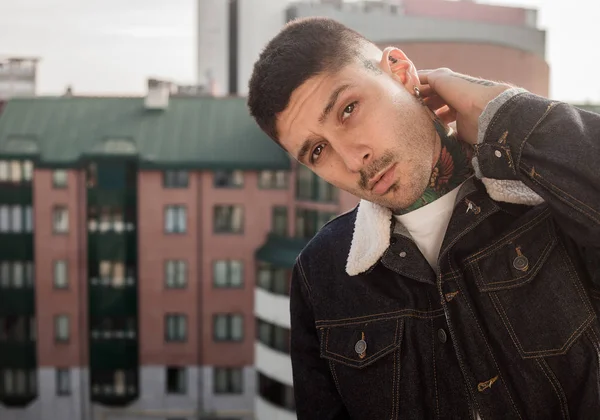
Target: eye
[[348, 110], [316, 153]]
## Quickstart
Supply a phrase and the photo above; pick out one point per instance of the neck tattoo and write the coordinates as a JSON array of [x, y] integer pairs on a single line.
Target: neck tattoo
[[453, 167]]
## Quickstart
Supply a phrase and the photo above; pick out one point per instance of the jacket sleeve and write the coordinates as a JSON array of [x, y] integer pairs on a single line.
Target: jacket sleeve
[[314, 390], [551, 147]]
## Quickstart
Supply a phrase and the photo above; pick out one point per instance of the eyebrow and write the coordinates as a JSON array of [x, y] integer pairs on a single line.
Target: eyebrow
[[326, 111], [305, 148], [332, 100]]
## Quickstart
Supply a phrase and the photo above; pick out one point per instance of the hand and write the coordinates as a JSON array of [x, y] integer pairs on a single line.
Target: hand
[[455, 97]]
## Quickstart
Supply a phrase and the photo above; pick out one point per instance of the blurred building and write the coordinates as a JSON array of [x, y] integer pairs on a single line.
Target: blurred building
[[18, 77], [494, 42], [135, 236]]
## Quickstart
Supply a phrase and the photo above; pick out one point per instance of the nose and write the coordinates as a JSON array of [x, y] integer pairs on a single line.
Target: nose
[[356, 157]]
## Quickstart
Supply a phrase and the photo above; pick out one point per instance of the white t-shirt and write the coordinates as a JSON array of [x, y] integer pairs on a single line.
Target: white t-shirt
[[427, 225]]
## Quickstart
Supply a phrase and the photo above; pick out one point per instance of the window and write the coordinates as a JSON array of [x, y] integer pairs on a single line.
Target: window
[[273, 179], [5, 274], [16, 328], [63, 382], [113, 273], [27, 170], [175, 219], [175, 274], [228, 179], [61, 279], [16, 219], [273, 336], [276, 393], [229, 219], [16, 274], [113, 382], [273, 279], [175, 327], [175, 179], [4, 171], [109, 219], [312, 188], [15, 382], [120, 382], [228, 381], [228, 327], [60, 219], [59, 178], [5, 218], [228, 274], [109, 328], [28, 219], [61, 328], [176, 380], [280, 221], [18, 277]]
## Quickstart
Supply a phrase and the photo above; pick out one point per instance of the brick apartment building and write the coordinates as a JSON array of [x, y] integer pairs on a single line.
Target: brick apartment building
[[129, 235]]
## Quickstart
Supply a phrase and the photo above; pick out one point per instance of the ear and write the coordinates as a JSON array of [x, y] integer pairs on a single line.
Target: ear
[[396, 63]]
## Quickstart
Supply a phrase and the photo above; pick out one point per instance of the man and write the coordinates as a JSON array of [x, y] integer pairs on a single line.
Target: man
[[443, 295]]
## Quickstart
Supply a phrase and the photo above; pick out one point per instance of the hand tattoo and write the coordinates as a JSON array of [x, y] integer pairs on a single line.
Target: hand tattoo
[[474, 80]]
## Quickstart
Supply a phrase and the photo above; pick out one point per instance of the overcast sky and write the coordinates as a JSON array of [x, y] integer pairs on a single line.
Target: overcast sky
[[112, 46]]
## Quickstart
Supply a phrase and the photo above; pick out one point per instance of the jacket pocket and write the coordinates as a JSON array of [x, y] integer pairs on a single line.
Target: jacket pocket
[[534, 289], [364, 359]]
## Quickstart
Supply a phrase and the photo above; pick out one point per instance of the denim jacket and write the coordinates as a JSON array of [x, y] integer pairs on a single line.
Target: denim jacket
[[507, 328]]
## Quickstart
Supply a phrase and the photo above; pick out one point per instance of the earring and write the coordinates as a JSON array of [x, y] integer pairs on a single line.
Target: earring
[[418, 95], [392, 59]]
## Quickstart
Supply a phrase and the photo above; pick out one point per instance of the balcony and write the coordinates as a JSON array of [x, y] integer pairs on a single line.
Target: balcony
[[17, 301], [114, 354], [107, 301], [18, 354], [122, 198], [16, 246], [17, 193], [274, 364], [112, 246]]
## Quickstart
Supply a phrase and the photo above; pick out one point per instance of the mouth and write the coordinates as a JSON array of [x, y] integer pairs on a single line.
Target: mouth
[[383, 181]]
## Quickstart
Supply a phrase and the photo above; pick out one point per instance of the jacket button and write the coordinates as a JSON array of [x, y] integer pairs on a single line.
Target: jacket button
[[360, 347], [393, 240], [521, 263], [442, 335]]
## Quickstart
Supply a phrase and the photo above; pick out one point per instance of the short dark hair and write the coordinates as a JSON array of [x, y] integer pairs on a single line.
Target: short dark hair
[[303, 48]]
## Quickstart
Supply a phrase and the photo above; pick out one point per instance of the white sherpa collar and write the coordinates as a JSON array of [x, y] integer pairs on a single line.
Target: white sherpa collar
[[372, 228]]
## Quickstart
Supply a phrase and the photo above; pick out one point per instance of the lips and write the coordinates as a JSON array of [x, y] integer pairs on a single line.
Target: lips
[[382, 182]]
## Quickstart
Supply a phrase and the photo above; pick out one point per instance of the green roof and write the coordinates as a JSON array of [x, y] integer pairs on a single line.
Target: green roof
[[194, 132], [589, 107], [281, 252]]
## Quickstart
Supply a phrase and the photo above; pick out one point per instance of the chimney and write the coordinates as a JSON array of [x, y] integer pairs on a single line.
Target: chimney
[[158, 94]]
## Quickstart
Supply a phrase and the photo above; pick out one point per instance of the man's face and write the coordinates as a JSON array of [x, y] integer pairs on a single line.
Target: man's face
[[363, 131]]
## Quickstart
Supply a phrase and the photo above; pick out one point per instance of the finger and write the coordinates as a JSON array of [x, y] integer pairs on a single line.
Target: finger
[[446, 114], [435, 102]]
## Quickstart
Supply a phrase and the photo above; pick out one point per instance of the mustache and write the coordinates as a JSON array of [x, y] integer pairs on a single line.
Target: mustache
[[372, 170]]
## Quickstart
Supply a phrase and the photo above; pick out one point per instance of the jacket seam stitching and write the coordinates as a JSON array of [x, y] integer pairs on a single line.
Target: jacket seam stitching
[[491, 354], [392, 315], [535, 126], [561, 194], [545, 367], [304, 279], [507, 238]]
